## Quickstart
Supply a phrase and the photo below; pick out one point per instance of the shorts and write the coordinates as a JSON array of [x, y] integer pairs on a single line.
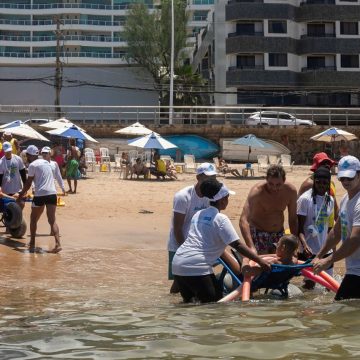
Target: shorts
[[264, 241], [44, 200], [171, 256], [349, 288]]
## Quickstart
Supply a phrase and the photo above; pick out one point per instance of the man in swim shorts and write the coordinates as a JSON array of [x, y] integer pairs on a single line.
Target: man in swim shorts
[[40, 172], [262, 219]]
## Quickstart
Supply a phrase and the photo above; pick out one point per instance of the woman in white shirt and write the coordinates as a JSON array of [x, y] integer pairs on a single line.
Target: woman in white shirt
[[210, 232]]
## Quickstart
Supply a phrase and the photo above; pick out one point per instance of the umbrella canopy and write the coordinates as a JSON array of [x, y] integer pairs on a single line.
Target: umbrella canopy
[[252, 141], [334, 134], [151, 141], [72, 132], [19, 128], [60, 123], [136, 129]]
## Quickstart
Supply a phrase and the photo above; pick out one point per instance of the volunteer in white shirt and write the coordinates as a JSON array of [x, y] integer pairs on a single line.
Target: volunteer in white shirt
[[12, 171], [46, 155], [41, 174], [186, 203], [346, 229], [209, 234]]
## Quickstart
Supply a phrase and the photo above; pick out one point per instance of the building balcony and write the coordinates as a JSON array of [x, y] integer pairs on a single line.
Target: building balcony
[[318, 69], [318, 2], [255, 33], [246, 67], [320, 35]]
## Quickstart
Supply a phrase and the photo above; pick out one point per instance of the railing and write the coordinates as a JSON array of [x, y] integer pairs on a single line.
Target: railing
[[246, 67], [201, 2], [154, 115], [324, 35], [64, 22], [98, 38], [322, 68], [69, 6], [64, 54]]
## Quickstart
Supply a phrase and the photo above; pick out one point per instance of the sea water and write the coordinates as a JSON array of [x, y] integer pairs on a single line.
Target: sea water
[[101, 304]]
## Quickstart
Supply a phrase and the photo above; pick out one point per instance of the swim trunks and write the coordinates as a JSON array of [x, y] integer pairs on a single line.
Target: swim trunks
[[265, 241], [72, 169]]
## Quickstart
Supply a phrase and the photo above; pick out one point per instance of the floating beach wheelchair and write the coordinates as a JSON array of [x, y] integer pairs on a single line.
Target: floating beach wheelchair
[[12, 218], [278, 279]]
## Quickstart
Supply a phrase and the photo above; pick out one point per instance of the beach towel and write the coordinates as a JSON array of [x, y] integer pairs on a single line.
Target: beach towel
[[72, 169]]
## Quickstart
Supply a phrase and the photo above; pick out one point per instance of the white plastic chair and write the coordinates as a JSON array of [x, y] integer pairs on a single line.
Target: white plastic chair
[[105, 159], [190, 164], [117, 159], [286, 162], [90, 161], [273, 160], [263, 162]]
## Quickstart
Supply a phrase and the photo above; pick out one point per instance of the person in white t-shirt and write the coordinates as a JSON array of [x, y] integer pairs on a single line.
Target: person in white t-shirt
[[46, 154], [314, 208], [186, 203], [209, 234], [346, 229], [12, 171], [41, 174]]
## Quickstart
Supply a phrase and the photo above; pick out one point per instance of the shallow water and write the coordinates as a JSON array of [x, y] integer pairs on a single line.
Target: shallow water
[[89, 305]]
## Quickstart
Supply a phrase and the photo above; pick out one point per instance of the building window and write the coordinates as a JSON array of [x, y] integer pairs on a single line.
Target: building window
[[316, 29], [277, 26], [278, 59], [349, 61], [316, 62], [349, 28], [245, 61]]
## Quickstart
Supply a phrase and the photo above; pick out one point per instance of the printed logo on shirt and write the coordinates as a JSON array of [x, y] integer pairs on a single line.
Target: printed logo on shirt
[[323, 219]]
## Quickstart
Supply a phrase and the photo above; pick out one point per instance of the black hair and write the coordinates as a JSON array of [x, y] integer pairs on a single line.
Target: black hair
[[209, 188], [322, 172]]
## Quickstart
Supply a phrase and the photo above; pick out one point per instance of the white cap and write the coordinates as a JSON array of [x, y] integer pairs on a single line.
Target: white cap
[[206, 169], [6, 146], [32, 150], [348, 166], [7, 133], [224, 191], [45, 149]]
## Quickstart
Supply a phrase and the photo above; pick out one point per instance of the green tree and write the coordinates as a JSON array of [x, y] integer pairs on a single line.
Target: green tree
[[148, 36]]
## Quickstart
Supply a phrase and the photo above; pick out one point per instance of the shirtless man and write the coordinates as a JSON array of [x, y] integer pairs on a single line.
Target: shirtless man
[[262, 219]]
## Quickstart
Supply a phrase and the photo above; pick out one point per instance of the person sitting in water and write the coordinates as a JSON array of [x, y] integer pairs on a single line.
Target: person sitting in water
[[210, 233], [139, 168], [225, 169]]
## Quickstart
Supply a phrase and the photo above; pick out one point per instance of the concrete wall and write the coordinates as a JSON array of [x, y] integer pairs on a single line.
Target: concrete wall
[[296, 139]]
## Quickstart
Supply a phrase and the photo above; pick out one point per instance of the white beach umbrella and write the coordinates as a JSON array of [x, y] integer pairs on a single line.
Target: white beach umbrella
[[333, 134], [135, 129], [19, 128], [72, 132], [152, 141], [59, 124]]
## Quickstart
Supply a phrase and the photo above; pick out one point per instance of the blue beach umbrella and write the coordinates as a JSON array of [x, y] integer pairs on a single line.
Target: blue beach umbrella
[[252, 141], [72, 132]]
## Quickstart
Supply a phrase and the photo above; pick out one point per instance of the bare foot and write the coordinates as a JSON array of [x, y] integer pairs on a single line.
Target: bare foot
[[55, 250]]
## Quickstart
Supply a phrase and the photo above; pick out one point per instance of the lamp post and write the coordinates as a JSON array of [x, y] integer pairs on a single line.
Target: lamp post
[[171, 97]]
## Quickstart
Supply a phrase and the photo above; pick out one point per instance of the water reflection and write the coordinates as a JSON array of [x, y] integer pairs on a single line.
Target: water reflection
[[89, 305]]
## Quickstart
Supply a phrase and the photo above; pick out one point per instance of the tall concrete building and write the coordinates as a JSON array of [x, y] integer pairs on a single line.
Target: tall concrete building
[[274, 52]]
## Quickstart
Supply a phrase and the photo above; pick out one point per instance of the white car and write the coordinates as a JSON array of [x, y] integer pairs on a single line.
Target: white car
[[276, 118]]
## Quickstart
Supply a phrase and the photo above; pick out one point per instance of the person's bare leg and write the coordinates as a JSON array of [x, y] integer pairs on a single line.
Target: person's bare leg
[[69, 183], [75, 186], [34, 218], [50, 212]]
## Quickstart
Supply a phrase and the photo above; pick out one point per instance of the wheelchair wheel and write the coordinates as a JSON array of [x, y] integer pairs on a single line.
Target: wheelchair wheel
[[20, 231], [12, 215]]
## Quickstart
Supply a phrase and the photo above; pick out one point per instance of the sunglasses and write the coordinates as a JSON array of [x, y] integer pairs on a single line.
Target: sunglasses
[[342, 179], [322, 182]]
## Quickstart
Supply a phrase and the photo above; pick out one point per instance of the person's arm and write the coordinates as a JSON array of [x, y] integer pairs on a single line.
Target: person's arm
[[305, 186], [17, 146], [244, 224], [301, 221], [346, 249], [178, 227], [251, 254], [22, 175], [26, 187], [293, 219]]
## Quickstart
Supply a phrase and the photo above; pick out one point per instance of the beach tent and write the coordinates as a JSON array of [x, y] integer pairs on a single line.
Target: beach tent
[[19, 128], [72, 132], [135, 129]]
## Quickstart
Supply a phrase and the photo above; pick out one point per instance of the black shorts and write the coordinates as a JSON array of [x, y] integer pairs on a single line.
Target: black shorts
[[45, 200], [349, 288], [202, 288]]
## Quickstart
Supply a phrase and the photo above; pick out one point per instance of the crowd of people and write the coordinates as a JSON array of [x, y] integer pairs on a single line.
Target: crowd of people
[[200, 234]]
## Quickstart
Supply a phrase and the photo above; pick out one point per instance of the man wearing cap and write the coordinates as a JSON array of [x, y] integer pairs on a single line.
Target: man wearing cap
[[46, 154], [186, 203], [12, 171], [346, 229], [41, 174], [262, 219], [14, 143]]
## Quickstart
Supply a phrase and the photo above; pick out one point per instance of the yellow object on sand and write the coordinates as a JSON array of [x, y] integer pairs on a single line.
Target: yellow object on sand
[[60, 201], [287, 232], [103, 168]]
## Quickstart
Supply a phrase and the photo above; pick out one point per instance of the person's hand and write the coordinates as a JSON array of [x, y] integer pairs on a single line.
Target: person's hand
[[246, 269], [321, 264], [265, 265], [307, 251]]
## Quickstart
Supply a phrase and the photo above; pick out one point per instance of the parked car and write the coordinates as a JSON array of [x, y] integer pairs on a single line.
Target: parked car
[[276, 118], [37, 121]]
